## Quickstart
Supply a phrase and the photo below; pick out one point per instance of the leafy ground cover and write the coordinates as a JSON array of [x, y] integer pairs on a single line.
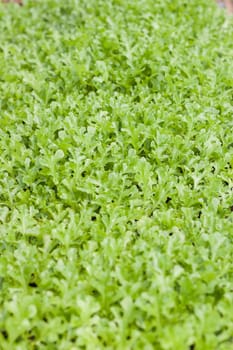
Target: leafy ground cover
[[116, 155]]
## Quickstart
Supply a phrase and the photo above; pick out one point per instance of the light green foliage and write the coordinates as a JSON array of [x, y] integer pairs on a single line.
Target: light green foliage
[[116, 156]]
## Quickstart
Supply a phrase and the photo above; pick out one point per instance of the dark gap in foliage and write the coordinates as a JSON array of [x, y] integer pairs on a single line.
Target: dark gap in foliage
[[213, 170], [168, 200], [137, 185], [196, 151], [180, 170], [31, 336], [33, 240], [219, 331], [218, 294], [4, 334], [95, 292], [97, 209], [109, 166], [19, 339], [54, 247], [192, 347], [189, 308], [26, 141], [177, 287], [1, 282], [27, 188], [33, 284], [56, 133]]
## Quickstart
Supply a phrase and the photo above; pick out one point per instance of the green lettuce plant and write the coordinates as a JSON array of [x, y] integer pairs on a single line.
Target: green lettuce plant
[[116, 155]]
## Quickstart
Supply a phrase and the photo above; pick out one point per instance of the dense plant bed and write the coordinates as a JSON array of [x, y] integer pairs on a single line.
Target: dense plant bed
[[116, 155]]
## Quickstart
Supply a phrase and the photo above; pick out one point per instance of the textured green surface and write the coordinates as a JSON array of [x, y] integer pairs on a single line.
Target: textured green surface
[[116, 156]]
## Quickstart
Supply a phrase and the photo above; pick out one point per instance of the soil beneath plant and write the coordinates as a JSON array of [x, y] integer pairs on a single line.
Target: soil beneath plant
[[20, 2], [228, 4]]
